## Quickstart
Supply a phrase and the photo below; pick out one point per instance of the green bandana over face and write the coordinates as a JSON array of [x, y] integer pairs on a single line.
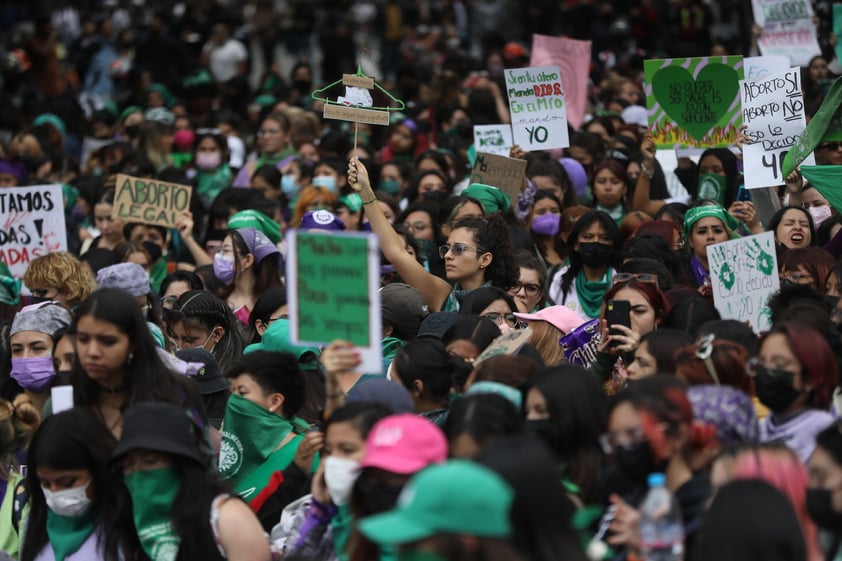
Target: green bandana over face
[[68, 533], [250, 435], [153, 494], [712, 186]]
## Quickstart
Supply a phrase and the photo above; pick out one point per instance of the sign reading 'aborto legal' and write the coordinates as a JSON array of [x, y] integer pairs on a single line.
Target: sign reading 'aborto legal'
[[150, 201]]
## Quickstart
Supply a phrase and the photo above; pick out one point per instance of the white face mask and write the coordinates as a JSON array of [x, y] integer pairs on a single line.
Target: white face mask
[[820, 213], [340, 475], [69, 502]]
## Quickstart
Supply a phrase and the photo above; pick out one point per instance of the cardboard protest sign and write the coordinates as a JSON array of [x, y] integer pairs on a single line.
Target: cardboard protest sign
[[773, 111], [788, 29], [573, 57], [493, 139], [505, 173], [694, 102], [150, 201], [32, 225], [760, 67], [538, 108], [507, 344], [744, 275], [357, 104], [333, 283]]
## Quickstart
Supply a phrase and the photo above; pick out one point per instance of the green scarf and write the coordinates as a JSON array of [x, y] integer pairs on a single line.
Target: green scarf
[[250, 435], [826, 180], [695, 214], [158, 273], [68, 533], [210, 184], [617, 213], [591, 293], [712, 186], [390, 346], [153, 493]]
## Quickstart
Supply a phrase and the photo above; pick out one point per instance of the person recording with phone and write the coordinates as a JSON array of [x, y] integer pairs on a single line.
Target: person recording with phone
[[633, 307]]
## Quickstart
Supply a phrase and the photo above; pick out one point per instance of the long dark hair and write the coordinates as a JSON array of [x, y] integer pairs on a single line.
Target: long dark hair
[[147, 378], [191, 508], [266, 275], [209, 311], [74, 440], [585, 222], [263, 309]]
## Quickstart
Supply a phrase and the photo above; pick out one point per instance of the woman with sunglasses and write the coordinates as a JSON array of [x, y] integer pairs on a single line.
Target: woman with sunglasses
[[648, 307], [478, 252]]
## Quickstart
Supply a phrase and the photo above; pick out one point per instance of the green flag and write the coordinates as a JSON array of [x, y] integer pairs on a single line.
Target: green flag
[[828, 181], [825, 125]]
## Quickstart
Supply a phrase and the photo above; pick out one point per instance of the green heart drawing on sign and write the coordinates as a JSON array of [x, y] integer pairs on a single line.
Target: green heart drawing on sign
[[696, 105]]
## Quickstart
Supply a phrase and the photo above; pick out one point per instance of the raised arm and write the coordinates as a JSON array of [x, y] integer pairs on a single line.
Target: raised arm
[[434, 289], [641, 200]]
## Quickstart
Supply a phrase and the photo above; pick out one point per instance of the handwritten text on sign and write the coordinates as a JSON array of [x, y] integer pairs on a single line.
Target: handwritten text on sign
[[744, 274], [788, 29], [493, 139], [536, 103], [150, 201], [505, 173], [32, 225], [773, 111]]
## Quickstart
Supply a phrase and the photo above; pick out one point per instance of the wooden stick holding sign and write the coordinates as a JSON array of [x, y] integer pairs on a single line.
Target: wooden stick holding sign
[[150, 201], [357, 105]]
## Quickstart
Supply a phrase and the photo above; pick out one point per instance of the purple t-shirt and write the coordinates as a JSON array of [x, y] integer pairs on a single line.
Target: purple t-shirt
[[798, 433]]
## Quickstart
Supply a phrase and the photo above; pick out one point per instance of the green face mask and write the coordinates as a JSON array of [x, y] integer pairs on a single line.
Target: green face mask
[[389, 186], [250, 434], [712, 186], [153, 494]]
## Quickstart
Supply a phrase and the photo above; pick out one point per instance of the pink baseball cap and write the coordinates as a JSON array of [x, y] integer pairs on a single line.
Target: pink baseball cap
[[560, 317], [404, 444]]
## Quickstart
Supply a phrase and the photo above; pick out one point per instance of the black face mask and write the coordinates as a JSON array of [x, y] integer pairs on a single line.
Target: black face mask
[[376, 496], [132, 130], [638, 461], [594, 254], [302, 85], [774, 388], [831, 301], [544, 430], [820, 509], [40, 299]]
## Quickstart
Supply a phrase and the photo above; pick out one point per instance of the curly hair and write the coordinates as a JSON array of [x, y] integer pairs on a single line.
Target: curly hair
[[207, 310], [493, 235], [63, 271]]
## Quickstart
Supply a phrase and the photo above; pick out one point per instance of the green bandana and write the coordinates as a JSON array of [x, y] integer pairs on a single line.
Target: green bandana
[[712, 186], [68, 533], [353, 202], [255, 219], [695, 214], [491, 198], [826, 180], [826, 125], [209, 185], [591, 293], [250, 436], [153, 493]]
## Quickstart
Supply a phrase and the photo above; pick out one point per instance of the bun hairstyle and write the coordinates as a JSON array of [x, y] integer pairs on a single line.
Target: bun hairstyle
[[18, 422]]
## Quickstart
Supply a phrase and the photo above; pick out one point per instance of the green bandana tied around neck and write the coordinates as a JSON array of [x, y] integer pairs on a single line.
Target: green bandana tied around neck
[[153, 494], [695, 214], [591, 293], [250, 439], [826, 125], [68, 533], [712, 186]]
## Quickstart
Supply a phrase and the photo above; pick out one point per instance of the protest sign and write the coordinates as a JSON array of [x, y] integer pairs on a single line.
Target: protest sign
[[507, 344], [357, 105], [788, 29], [743, 275], [150, 201], [759, 67], [505, 173], [32, 225], [773, 112], [694, 102], [333, 283], [580, 344], [537, 106], [493, 139], [837, 28], [573, 57]]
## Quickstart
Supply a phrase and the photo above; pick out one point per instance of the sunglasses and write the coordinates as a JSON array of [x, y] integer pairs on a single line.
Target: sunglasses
[[639, 277], [829, 146], [457, 249]]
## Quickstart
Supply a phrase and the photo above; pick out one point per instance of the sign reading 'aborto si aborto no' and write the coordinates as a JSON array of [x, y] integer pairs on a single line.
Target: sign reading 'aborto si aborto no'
[[150, 201]]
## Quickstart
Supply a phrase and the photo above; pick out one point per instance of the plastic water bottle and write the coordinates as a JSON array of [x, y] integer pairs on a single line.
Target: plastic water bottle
[[661, 527]]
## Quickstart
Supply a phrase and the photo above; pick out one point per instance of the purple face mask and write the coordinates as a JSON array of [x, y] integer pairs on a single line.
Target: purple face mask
[[223, 268], [546, 224], [34, 374]]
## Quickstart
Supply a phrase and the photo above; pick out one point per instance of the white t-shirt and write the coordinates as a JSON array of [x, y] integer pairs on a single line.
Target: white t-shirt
[[224, 59]]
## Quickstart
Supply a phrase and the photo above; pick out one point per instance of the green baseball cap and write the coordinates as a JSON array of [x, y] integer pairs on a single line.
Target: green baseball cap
[[276, 338], [457, 497]]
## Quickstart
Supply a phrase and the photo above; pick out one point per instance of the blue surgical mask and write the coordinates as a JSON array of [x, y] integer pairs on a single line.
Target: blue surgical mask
[[289, 186], [326, 181]]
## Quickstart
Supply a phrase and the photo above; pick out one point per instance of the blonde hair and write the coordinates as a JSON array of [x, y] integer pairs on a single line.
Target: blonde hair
[[18, 422], [62, 271], [545, 338]]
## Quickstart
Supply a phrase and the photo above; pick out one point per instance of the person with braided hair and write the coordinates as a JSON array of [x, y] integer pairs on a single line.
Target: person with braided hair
[[200, 319]]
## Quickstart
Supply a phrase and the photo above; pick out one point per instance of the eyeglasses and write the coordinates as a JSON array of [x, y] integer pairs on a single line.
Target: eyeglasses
[[610, 441], [528, 289], [416, 226], [282, 316], [510, 319], [264, 132], [798, 278], [780, 370], [457, 249], [639, 277], [829, 146]]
